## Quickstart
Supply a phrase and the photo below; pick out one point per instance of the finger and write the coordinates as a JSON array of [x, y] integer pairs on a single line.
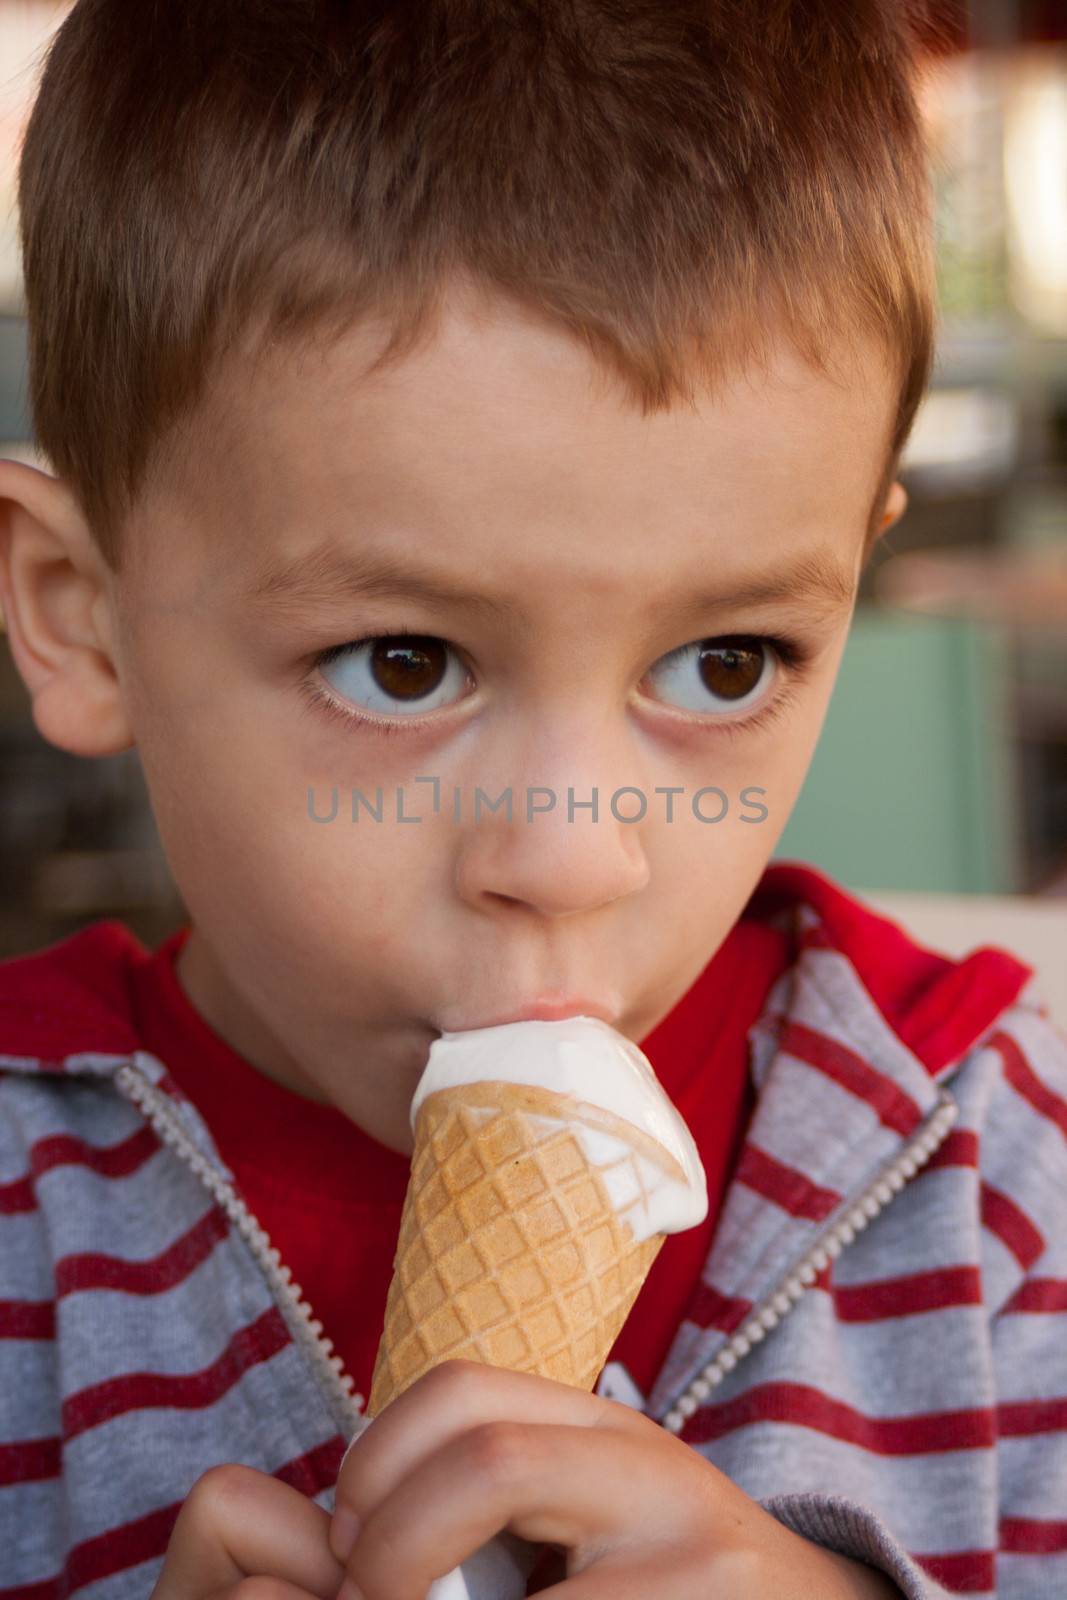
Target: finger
[[666, 1575], [449, 1400], [239, 1523], [261, 1589], [548, 1483]]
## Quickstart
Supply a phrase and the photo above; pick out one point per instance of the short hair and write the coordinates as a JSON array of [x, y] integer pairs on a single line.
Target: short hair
[[672, 181]]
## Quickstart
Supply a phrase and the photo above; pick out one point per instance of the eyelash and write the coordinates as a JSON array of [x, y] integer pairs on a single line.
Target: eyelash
[[793, 653]]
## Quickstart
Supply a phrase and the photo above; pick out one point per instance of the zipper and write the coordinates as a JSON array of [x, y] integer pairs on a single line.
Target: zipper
[[828, 1246], [299, 1317]]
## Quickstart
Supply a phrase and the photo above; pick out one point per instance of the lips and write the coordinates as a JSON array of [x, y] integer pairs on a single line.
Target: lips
[[545, 1009]]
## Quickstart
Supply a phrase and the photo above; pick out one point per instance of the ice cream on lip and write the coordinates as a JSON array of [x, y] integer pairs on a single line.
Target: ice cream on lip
[[594, 1065]]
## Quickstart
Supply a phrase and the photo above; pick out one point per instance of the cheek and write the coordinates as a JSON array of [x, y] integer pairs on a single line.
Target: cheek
[[702, 872], [767, 771], [256, 841], [383, 874], [736, 800], [329, 912], [350, 910]]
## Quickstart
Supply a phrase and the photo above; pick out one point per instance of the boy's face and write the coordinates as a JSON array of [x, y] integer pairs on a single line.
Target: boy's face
[[584, 546]]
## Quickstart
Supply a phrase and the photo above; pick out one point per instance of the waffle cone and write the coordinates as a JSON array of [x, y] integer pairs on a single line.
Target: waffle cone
[[510, 1248]]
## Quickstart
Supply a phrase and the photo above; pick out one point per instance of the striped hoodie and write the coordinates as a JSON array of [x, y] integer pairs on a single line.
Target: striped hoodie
[[876, 1351]]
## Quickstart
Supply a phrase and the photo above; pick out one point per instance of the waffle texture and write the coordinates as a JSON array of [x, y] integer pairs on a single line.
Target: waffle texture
[[511, 1248]]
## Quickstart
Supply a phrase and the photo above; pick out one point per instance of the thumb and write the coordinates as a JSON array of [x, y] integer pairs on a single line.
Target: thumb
[[239, 1523]]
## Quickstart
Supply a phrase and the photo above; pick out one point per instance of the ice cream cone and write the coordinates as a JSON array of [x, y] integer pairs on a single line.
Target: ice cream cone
[[548, 1167], [517, 1241]]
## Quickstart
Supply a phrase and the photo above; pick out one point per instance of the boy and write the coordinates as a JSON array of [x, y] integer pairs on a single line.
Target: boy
[[591, 525]]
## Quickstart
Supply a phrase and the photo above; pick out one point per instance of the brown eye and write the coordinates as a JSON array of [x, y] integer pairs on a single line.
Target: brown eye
[[716, 676], [410, 668], [390, 672], [730, 670]]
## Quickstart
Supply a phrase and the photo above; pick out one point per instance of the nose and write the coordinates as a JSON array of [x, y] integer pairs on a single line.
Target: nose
[[560, 861]]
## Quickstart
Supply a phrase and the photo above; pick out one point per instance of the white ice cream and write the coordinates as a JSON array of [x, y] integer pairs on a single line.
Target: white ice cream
[[585, 1058]]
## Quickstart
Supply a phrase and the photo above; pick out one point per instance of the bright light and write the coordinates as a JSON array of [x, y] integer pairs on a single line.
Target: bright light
[[1035, 174]]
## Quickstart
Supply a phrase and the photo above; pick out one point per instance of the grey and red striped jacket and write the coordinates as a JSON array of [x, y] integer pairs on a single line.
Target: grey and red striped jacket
[[877, 1351]]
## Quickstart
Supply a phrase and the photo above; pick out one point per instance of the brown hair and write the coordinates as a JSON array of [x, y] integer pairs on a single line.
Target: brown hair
[[670, 180]]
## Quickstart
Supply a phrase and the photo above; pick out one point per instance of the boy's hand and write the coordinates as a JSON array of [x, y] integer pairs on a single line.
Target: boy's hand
[[239, 1527], [470, 1449]]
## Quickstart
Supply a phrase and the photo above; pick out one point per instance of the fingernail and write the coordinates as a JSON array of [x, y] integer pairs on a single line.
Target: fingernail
[[344, 1531], [348, 1591]]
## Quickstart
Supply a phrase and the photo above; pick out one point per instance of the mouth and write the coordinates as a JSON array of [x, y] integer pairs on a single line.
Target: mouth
[[547, 1008]]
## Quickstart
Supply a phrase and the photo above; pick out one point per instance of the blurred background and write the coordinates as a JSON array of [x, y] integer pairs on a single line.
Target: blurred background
[[939, 787]]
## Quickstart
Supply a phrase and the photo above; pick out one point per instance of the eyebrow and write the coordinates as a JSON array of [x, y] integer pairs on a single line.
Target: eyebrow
[[303, 586]]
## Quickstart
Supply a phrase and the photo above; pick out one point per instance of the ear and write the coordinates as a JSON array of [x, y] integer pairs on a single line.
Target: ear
[[57, 603], [896, 503]]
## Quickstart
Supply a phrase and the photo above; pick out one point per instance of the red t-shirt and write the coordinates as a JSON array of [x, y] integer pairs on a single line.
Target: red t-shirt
[[330, 1196]]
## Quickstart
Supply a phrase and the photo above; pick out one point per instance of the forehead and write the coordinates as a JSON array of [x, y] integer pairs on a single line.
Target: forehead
[[503, 423]]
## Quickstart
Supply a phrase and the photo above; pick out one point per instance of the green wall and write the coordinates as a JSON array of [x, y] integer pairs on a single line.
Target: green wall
[[912, 782]]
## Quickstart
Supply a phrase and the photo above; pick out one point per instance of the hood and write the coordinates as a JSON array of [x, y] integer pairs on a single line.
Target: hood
[[939, 1006]]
